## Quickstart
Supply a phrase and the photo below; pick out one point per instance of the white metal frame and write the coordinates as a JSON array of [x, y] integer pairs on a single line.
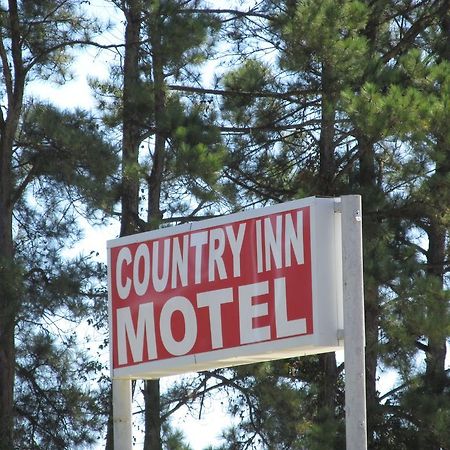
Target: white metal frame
[[354, 334], [354, 347]]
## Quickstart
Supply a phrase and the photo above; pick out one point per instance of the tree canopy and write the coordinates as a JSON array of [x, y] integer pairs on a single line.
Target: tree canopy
[[210, 109]]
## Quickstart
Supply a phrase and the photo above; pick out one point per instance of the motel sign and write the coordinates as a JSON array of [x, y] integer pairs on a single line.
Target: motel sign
[[226, 291], [254, 286]]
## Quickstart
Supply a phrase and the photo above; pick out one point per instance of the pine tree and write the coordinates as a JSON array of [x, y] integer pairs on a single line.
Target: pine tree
[[163, 42], [338, 120], [48, 171]]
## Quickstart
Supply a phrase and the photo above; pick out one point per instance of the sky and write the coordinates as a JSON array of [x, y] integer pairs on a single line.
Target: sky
[[200, 432]]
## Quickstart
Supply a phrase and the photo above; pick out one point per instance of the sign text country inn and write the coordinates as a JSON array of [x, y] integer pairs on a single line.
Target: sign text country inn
[[259, 285]]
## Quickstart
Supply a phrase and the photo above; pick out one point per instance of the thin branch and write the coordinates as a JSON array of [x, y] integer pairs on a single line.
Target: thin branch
[[6, 69], [422, 346], [201, 390], [229, 93], [269, 127], [233, 12], [416, 28], [400, 388], [181, 219], [23, 185], [33, 61]]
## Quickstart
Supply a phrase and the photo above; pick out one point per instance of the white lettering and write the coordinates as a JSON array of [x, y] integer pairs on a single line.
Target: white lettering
[[284, 326], [259, 252], [216, 249], [135, 338], [184, 306], [160, 283], [249, 311], [142, 253], [180, 262], [272, 242], [236, 246], [294, 239], [197, 241], [124, 256], [214, 301]]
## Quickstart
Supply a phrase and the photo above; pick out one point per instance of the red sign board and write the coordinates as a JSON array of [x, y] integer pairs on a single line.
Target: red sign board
[[226, 291]]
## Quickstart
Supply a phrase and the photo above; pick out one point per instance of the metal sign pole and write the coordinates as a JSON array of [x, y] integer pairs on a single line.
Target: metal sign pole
[[122, 414], [354, 334]]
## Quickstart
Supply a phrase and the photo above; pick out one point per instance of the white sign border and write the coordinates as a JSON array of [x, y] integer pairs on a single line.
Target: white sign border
[[325, 272]]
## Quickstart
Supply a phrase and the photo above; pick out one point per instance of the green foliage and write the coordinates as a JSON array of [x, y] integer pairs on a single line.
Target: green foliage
[[55, 165], [66, 148], [327, 32], [274, 409], [409, 110], [48, 28], [56, 407], [186, 37], [59, 394], [196, 147], [364, 83], [175, 440], [249, 109], [252, 76]]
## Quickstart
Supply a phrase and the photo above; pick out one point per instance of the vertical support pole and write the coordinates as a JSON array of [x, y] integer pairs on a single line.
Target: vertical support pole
[[354, 334], [123, 434]]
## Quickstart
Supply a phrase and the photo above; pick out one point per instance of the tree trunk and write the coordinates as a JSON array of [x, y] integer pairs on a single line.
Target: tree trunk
[[152, 439], [327, 145], [158, 157], [435, 377], [327, 362], [131, 140], [8, 311], [131, 136], [437, 250], [152, 388], [371, 239], [14, 80], [9, 277]]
